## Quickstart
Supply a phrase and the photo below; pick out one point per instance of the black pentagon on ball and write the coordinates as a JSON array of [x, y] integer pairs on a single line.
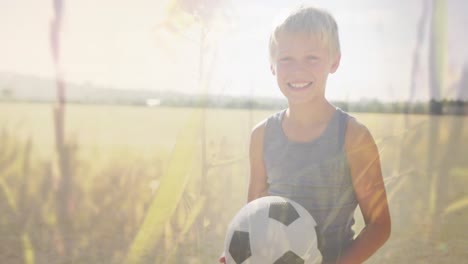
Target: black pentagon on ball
[[239, 248], [284, 212], [289, 258]]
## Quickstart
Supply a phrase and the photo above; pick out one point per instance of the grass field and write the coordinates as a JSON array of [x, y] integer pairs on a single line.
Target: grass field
[[137, 193]]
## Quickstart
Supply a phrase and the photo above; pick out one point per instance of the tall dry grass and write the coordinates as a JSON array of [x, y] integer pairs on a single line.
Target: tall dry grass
[[135, 194]]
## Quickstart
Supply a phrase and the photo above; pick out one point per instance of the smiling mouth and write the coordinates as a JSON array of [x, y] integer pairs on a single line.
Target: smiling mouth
[[299, 86]]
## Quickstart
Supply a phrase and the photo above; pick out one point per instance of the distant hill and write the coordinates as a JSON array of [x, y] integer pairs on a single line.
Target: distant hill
[[17, 87], [32, 88]]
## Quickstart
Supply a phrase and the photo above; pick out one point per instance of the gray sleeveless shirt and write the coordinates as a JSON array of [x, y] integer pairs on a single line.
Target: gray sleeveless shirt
[[316, 175]]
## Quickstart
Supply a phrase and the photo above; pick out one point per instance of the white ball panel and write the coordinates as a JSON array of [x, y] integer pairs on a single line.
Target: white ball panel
[[269, 238]]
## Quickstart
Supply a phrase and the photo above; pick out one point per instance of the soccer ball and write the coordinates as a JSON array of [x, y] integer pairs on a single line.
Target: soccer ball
[[272, 230]]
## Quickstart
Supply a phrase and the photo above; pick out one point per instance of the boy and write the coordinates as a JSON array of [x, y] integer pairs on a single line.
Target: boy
[[313, 152]]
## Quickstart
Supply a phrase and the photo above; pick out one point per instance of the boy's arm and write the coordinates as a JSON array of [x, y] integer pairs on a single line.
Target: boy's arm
[[366, 173], [258, 181]]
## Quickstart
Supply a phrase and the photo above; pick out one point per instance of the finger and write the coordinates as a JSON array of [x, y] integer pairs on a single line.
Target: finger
[[222, 260]]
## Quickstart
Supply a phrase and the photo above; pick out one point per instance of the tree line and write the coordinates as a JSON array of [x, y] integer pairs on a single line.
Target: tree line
[[434, 107]]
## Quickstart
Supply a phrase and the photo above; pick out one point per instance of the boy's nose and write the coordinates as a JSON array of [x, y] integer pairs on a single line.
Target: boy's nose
[[298, 67]]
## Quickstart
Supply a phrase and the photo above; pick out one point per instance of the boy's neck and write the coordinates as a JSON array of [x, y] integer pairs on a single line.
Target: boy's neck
[[310, 113]]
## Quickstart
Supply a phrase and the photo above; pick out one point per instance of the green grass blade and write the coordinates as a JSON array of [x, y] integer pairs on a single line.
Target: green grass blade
[[8, 195], [172, 186], [28, 250], [456, 206]]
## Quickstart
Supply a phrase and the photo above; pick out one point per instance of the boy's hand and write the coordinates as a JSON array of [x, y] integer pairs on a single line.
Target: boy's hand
[[222, 259]]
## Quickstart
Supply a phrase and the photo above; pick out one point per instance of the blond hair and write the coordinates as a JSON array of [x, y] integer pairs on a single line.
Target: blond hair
[[308, 20]]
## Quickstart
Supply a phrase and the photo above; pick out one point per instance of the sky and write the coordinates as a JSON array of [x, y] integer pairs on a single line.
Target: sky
[[119, 43]]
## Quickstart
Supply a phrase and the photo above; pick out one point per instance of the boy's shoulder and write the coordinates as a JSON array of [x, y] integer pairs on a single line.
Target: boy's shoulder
[[357, 133], [260, 126], [258, 131]]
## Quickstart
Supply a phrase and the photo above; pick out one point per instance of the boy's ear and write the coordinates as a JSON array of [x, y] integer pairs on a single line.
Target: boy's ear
[[336, 63], [272, 68]]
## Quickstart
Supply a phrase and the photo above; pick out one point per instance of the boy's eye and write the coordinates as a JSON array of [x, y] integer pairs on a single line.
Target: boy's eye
[[312, 58], [284, 60]]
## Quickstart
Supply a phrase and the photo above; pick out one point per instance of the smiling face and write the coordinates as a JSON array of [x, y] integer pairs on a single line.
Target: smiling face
[[301, 64]]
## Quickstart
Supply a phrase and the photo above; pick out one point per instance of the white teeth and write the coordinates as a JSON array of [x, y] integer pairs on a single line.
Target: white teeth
[[299, 85]]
